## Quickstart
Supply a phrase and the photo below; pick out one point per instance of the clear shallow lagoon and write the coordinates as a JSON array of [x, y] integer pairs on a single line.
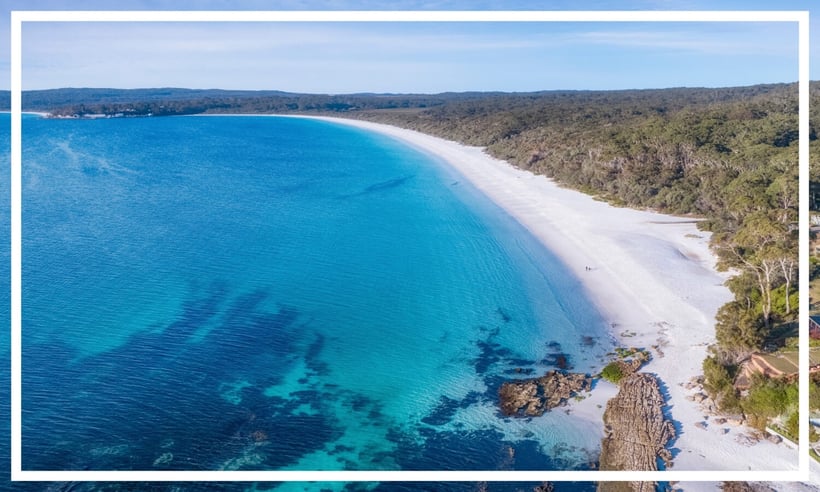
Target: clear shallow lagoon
[[278, 293]]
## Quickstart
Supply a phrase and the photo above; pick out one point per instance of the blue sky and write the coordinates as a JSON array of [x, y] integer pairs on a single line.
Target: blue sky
[[406, 57]]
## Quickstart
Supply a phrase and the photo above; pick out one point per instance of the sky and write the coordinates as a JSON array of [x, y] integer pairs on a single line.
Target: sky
[[406, 57]]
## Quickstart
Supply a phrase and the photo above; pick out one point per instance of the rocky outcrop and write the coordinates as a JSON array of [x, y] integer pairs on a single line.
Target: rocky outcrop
[[630, 366], [636, 431], [533, 397]]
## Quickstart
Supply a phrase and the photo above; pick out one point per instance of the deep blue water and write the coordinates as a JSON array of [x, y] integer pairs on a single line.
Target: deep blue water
[[276, 293]]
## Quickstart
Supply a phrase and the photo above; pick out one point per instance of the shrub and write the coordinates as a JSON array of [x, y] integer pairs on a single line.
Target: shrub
[[769, 398], [613, 372], [717, 377], [719, 384], [814, 394], [814, 267], [792, 427]]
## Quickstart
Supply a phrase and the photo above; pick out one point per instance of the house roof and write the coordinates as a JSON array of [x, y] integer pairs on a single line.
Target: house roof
[[785, 362]]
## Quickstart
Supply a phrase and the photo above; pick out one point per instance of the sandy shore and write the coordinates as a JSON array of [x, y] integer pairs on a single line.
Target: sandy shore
[[652, 276]]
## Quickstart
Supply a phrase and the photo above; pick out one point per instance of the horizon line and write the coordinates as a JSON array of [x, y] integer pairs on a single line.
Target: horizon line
[[390, 93]]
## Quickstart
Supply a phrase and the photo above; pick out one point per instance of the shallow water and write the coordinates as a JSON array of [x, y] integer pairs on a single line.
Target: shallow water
[[272, 293]]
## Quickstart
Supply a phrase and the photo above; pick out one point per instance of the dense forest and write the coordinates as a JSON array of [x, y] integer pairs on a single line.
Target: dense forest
[[174, 101], [728, 156]]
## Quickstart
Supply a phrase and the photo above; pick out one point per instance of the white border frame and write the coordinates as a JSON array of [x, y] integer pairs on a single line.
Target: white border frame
[[19, 17]]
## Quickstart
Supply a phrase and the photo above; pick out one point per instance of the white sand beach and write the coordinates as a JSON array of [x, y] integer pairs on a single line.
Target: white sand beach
[[652, 276]]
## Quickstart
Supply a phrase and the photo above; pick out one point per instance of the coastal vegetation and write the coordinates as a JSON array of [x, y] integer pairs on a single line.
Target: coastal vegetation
[[627, 361], [726, 157], [814, 297], [612, 372]]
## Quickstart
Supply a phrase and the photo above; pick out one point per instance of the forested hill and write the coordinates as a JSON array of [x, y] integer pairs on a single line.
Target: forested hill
[[176, 101], [160, 101], [673, 150], [57, 98]]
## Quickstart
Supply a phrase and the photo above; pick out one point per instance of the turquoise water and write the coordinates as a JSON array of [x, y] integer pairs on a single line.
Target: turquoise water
[[275, 293]]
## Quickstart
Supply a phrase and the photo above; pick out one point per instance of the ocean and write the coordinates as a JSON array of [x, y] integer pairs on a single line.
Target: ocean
[[270, 293]]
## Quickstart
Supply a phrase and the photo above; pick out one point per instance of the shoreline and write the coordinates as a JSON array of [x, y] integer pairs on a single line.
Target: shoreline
[[651, 276]]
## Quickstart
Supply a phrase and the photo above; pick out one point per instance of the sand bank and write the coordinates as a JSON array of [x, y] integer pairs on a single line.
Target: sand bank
[[652, 276]]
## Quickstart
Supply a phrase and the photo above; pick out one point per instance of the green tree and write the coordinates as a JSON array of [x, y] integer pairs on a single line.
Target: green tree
[[739, 329], [757, 248], [770, 398]]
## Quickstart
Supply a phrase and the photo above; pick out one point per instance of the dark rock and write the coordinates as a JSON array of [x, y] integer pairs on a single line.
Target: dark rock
[[774, 438], [533, 397], [521, 371], [588, 341], [505, 317], [559, 360], [636, 431], [627, 367]]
